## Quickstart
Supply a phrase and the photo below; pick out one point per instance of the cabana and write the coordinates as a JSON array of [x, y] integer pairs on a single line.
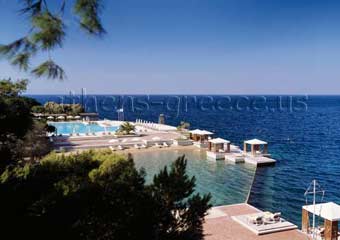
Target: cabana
[[329, 212], [200, 135], [216, 148], [218, 144], [255, 147]]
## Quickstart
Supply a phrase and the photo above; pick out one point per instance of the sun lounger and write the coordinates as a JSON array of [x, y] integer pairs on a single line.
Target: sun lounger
[[120, 147], [157, 145], [112, 148], [270, 218], [255, 219], [143, 146], [277, 216], [165, 144], [137, 146]]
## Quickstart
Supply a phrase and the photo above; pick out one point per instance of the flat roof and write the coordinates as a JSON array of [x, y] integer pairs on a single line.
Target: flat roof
[[200, 132], [329, 211], [255, 142], [218, 140]]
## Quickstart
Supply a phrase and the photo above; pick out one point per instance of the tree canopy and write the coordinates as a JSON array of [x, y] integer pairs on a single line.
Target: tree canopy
[[55, 108], [17, 126], [100, 195], [47, 32]]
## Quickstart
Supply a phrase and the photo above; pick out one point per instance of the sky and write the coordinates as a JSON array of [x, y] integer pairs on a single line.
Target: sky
[[193, 47]]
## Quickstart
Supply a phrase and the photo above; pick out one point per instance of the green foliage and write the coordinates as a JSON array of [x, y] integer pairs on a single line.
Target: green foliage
[[35, 144], [12, 89], [49, 69], [56, 108], [47, 32], [126, 128], [100, 195], [89, 11], [21, 60], [181, 211], [51, 129], [19, 135], [50, 30], [38, 109]]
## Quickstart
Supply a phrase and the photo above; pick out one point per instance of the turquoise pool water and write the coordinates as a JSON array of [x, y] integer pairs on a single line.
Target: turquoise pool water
[[228, 183], [66, 128]]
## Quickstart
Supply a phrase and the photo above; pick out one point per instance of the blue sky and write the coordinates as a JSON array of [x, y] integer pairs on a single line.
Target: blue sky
[[195, 47]]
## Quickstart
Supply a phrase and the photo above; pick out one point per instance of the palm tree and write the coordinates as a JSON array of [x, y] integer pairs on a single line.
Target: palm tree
[[126, 128]]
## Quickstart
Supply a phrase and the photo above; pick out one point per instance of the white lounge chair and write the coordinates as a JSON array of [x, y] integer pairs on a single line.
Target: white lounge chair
[[137, 146], [143, 146], [256, 219], [112, 148], [157, 145], [120, 147], [165, 144]]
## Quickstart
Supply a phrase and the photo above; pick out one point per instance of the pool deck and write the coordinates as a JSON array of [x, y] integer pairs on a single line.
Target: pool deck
[[219, 225], [87, 142]]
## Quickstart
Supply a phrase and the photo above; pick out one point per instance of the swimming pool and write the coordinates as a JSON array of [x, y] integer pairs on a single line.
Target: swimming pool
[[228, 183], [66, 128]]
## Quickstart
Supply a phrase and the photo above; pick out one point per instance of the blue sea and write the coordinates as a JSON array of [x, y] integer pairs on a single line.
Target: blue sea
[[303, 133]]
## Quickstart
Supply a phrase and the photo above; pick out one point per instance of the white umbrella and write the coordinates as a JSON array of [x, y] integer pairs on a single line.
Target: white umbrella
[[156, 138], [61, 117], [113, 141], [50, 117], [69, 117], [77, 117]]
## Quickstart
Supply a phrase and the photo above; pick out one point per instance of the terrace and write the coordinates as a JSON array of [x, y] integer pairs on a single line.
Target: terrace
[[220, 224]]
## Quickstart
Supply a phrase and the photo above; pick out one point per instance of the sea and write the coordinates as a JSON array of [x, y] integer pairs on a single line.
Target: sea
[[303, 133]]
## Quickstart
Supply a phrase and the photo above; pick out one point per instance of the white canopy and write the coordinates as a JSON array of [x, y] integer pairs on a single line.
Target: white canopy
[[218, 140], [77, 117], [255, 142], [70, 117], [61, 117], [200, 132], [50, 117], [329, 211]]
